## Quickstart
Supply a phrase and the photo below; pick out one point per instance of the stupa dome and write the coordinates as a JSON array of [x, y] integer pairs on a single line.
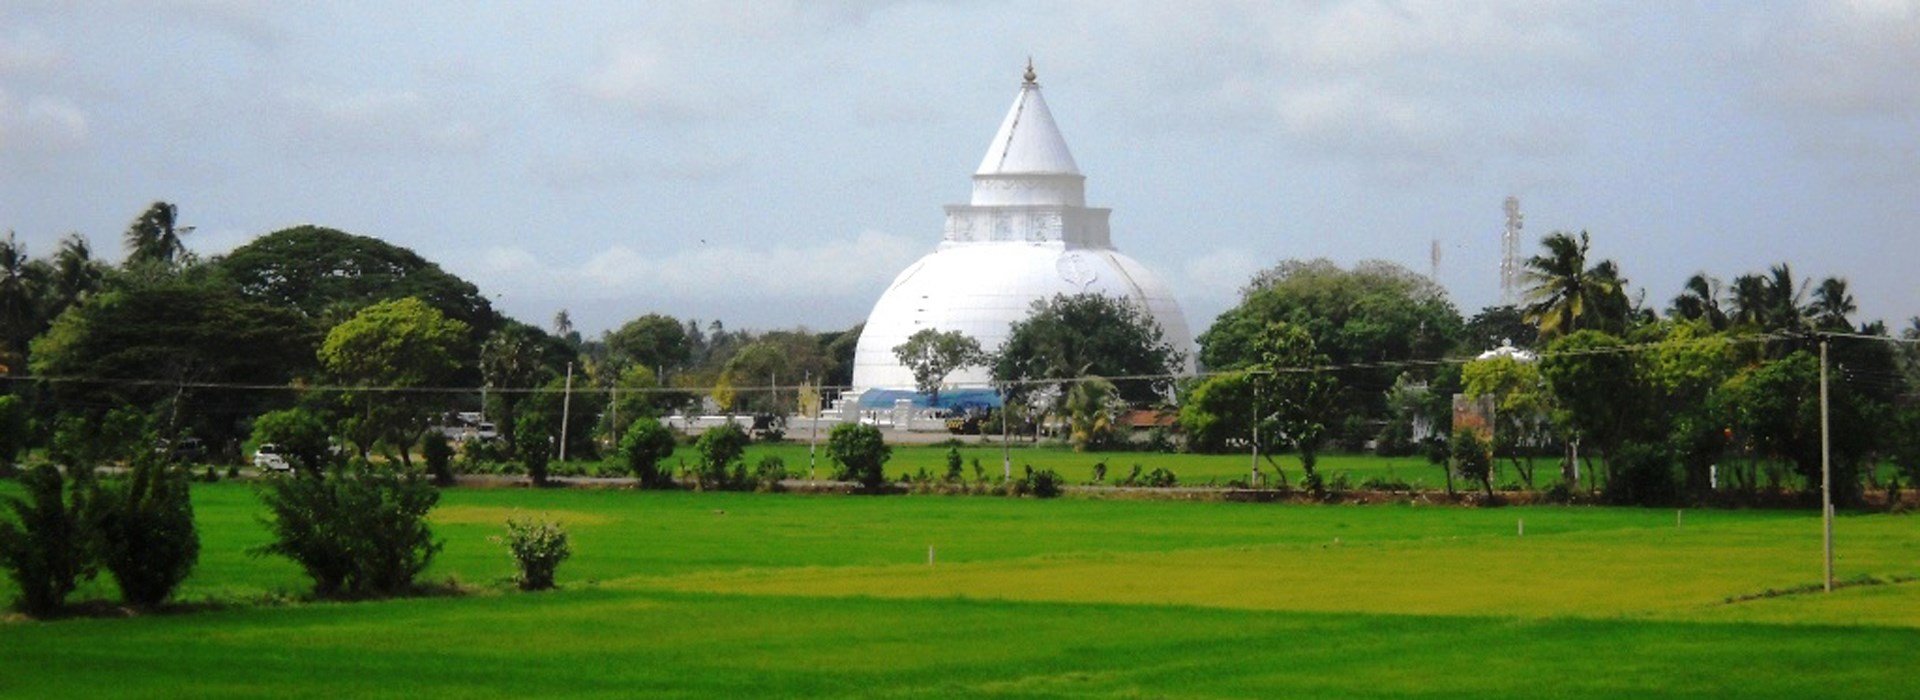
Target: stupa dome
[[1026, 235]]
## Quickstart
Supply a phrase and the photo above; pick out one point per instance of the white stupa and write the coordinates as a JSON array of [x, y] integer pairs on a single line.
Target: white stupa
[[1026, 235]]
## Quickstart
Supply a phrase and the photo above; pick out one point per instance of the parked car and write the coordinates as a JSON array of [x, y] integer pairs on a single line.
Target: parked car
[[269, 457]]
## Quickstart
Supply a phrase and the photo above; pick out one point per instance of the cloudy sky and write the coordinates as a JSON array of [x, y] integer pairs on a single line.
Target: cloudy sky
[[775, 163]]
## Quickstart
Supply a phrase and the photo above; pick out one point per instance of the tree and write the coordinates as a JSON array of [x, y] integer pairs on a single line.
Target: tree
[[386, 350], [1472, 457], [647, 444], [860, 452], [720, 449], [1070, 336], [1376, 313], [933, 354], [1776, 406], [654, 341], [300, 434], [533, 432], [328, 276], [357, 532], [1217, 414], [1290, 380], [161, 346], [21, 288], [1596, 387], [513, 361], [1565, 295], [1699, 300], [1495, 325], [155, 237], [146, 534], [1831, 306], [1090, 407], [44, 546], [1521, 407]]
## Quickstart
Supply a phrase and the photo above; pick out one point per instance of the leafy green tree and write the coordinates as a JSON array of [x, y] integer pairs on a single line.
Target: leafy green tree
[[45, 545], [163, 348], [514, 361], [383, 352], [535, 433], [301, 435], [839, 347], [357, 532], [1495, 325], [1071, 336], [15, 430], [1776, 406], [146, 533], [1699, 300], [860, 453], [1597, 388], [720, 449], [754, 369], [1290, 382], [1566, 295], [1472, 457], [654, 341], [438, 453], [1522, 407], [1377, 314], [551, 405], [328, 276], [932, 355], [22, 287], [646, 444], [1217, 414]]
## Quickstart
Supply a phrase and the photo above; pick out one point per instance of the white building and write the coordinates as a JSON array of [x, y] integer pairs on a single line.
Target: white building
[[1026, 235]]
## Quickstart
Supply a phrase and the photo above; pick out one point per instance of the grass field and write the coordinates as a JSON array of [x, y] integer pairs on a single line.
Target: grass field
[[703, 595], [1077, 467]]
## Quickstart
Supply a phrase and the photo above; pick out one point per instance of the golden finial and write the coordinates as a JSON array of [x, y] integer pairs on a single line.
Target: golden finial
[[1030, 75]]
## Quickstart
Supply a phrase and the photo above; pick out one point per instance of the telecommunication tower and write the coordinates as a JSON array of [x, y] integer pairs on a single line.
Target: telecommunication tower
[[1510, 254]]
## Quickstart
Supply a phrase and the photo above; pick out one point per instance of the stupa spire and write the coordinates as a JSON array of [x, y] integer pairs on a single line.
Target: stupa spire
[[1028, 143]]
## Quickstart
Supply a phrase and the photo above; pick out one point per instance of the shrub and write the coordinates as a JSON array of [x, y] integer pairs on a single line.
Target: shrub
[[438, 453], [768, 474], [357, 531], [1642, 475], [46, 550], [646, 443], [953, 465], [538, 547], [860, 452], [1160, 477], [720, 449], [533, 439], [147, 537]]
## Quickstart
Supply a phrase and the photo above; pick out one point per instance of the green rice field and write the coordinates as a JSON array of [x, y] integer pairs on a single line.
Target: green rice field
[[679, 594]]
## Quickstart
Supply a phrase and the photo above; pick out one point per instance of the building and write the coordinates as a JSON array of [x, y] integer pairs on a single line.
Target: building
[[1025, 235]]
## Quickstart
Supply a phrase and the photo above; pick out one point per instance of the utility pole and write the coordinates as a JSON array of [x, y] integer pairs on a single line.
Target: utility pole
[[1826, 471], [566, 412]]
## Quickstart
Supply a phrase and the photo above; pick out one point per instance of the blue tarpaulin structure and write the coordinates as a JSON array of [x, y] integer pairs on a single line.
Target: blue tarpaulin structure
[[952, 399]]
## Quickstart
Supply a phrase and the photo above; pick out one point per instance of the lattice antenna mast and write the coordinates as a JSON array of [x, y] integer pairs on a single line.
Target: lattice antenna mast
[[1510, 254]]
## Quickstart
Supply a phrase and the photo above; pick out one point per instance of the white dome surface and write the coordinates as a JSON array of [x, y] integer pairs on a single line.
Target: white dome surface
[[982, 290], [1025, 236]]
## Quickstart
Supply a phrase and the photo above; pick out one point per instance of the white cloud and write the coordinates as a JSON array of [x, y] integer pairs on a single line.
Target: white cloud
[[29, 54], [1841, 77], [40, 124], [833, 270], [373, 121]]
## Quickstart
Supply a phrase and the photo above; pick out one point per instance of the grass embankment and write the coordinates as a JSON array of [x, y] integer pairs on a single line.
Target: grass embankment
[[700, 595]]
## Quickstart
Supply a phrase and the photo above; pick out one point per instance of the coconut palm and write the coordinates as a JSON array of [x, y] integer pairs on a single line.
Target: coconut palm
[[1699, 300], [1564, 294], [155, 236], [1748, 298], [1786, 301], [1831, 305], [75, 273]]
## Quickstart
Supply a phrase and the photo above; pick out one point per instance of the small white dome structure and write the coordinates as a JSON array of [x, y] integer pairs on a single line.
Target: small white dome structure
[[1026, 235]]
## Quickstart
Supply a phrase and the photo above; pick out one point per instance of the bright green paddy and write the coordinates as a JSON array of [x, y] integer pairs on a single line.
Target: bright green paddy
[[742, 595]]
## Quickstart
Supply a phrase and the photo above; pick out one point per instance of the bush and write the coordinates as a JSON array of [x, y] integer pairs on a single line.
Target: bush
[[954, 474], [1045, 483], [357, 531], [646, 443], [438, 453], [1160, 477], [538, 547], [46, 550], [768, 474], [147, 537], [720, 450], [1641, 475], [860, 452], [533, 439]]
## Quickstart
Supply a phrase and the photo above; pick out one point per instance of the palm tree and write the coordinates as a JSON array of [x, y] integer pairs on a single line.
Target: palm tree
[[1786, 310], [1699, 300], [19, 298], [155, 236], [75, 273], [1832, 304], [1563, 292], [1749, 298]]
